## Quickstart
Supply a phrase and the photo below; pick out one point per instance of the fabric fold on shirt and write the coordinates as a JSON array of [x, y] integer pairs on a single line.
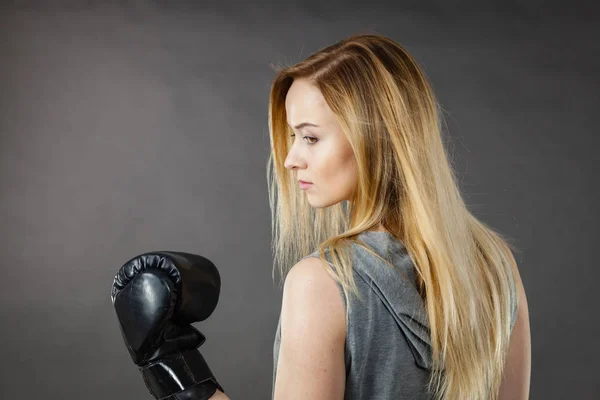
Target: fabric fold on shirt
[[397, 290]]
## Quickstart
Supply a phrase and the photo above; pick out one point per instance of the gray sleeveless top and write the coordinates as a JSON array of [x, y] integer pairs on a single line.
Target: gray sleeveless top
[[388, 350]]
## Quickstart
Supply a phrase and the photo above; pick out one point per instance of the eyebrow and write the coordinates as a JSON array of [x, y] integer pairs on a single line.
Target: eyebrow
[[302, 125]]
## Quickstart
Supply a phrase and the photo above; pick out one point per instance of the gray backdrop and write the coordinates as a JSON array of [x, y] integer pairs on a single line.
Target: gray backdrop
[[134, 126]]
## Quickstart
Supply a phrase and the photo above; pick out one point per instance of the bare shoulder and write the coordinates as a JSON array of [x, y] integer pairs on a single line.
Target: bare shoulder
[[517, 374], [312, 308], [308, 268], [308, 284], [313, 333]]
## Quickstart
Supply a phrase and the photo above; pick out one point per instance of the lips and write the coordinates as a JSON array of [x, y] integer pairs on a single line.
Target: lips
[[303, 181], [304, 185]]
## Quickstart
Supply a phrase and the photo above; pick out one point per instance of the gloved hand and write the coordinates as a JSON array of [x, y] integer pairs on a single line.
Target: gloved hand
[[157, 296]]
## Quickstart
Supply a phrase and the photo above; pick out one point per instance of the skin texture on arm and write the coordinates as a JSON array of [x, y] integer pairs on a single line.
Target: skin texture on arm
[[311, 361], [517, 375]]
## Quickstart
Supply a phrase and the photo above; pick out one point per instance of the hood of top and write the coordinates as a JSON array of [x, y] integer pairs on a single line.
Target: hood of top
[[397, 289]]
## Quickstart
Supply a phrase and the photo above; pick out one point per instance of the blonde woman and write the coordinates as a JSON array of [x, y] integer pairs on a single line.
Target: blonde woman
[[399, 291]]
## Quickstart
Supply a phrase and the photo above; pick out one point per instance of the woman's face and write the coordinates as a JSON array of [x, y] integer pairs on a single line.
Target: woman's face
[[320, 154]]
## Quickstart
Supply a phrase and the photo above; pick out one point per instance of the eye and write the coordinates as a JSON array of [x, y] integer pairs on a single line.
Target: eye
[[314, 139]]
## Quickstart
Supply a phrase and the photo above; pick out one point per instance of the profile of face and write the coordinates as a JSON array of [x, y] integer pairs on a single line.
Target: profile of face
[[320, 153]]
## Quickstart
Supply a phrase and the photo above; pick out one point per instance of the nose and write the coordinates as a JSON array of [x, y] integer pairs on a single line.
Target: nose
[[293, 160]]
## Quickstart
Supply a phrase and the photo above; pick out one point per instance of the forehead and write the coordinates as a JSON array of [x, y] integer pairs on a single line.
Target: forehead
[[304, 102]]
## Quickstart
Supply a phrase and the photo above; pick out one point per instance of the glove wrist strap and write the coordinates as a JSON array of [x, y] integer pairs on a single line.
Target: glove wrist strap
[[179, 372]]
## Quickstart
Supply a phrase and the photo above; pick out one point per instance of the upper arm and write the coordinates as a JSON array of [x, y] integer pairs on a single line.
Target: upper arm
[[311, 361], [517, 374]]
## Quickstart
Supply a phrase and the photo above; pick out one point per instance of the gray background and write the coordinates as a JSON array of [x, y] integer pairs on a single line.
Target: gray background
[[134, 126]]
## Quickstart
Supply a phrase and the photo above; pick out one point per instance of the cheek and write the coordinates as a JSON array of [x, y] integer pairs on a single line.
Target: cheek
[[351, 171], [338, 169]]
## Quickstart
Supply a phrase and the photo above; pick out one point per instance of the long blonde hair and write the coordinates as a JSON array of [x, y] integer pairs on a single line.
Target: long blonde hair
[[387, 110]]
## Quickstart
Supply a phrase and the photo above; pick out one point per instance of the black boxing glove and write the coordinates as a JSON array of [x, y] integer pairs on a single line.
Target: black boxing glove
[[157, 296]]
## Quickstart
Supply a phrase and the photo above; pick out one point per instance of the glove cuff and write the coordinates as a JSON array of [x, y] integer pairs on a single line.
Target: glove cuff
[[178, 372]]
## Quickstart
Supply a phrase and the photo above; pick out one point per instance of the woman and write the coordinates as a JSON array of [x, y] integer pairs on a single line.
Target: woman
[[408, 295]]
